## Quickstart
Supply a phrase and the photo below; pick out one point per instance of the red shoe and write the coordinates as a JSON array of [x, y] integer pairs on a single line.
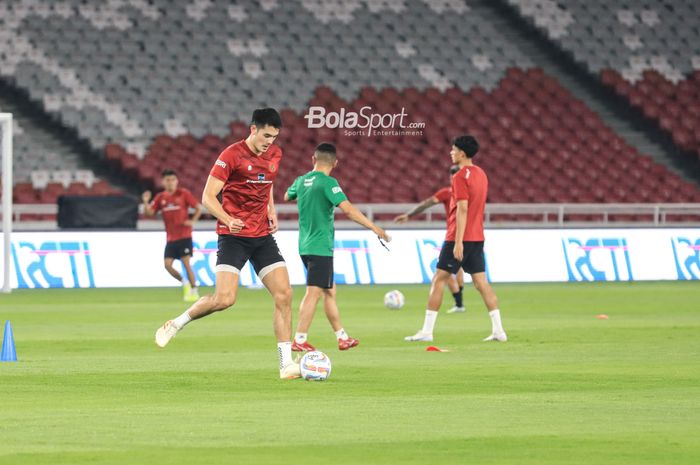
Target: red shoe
[[349, 343], [303, 347]]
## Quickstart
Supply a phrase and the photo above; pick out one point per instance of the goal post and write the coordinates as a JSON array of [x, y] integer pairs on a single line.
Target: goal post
[[6, 148]]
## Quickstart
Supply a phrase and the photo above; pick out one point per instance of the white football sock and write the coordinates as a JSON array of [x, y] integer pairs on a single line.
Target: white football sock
[[284, 349], [182, 320], [341, 334], [185, 281], [496, 321], [429, 323], [300, 338]]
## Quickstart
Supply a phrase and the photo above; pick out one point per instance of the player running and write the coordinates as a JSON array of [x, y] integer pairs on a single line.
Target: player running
[[444, 195], [317, 195], [464, 242], [174, 203], [243, 176]]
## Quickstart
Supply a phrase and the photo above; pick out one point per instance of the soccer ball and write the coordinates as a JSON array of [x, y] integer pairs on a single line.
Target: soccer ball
[[394, 299], [315, 366]]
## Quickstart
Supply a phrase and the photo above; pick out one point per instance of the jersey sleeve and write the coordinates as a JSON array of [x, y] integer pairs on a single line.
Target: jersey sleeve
[[460, 185], [443, 195], [333, 192], [191, 201], [155, 203], [224, 165], [292, 191]]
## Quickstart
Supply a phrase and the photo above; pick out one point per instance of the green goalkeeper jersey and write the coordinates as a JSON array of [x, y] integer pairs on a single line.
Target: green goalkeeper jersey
[[317, 195]]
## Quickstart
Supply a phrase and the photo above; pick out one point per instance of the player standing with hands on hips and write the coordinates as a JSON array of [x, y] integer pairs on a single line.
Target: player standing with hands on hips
[[464, 242], [243, 176], [174, 203]]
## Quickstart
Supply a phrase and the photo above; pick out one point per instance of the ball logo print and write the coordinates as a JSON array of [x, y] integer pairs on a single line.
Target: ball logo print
[[315, 366]]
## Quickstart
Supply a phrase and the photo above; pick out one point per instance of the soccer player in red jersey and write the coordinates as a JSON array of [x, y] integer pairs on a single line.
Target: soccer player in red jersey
[[174, 203], [464, 242], [243, 176], [444, 196]]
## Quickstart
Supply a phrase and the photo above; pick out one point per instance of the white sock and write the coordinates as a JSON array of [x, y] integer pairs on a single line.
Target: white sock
[[185, 281], [341, 334], [300, 338], [284, 349], [182, 320], [429, 323], [496, 321]]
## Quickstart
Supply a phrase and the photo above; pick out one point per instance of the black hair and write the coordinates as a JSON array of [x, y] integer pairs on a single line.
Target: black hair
[[266, 117], [454, 169], [325, 152], [467, 144], [168, 172]]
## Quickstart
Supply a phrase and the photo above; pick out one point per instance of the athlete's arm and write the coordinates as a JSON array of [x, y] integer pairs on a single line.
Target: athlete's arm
[[271, 212], [195, 216], [358, 217], [213, 206], [462, 206], [420, 208], [146, 199]]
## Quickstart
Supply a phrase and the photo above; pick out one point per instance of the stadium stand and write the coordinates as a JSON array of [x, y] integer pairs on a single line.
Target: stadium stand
[[647, 52], [159, 83]]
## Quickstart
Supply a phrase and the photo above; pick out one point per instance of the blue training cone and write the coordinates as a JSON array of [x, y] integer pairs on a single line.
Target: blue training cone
[[9, 354]]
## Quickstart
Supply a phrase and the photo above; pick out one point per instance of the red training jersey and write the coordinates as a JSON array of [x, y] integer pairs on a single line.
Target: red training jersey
[[174, 208], [471, 184], [247, 183], [444, 196]]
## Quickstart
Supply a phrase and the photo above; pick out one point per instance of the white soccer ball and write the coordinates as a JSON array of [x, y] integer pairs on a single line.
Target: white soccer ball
[[394, 299], [315, 366]]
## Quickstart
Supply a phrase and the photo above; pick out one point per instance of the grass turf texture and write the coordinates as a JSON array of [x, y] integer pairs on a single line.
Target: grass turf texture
[[91, 386]]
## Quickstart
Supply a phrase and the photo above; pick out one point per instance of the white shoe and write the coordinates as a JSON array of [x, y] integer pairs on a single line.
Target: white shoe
[[457, 309], [291, 371], [420, 336], [500, 337], [165, 333]]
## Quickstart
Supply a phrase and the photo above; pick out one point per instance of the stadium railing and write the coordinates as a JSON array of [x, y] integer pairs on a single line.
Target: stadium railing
[[505, 215]]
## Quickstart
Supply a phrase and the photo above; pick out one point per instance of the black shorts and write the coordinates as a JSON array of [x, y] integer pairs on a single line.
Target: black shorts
[[473, 258], [319, 270], [234, 251], [178, 249]]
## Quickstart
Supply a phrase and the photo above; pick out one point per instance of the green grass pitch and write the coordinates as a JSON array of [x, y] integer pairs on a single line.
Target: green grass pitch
[[92, 387]]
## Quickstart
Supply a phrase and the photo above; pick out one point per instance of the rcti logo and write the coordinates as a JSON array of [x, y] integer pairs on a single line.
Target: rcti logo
[[686, 253], [53, 264], [352, 257], [598, 259]]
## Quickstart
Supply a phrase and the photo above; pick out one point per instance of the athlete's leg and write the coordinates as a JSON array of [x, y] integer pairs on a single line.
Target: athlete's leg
[[486, 291], [188, 268], [168, 262], [491, 301], [307, 308], [331, 308], [452, 284], [277, 283], [437, 288], [456, 284], [224, 296]]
